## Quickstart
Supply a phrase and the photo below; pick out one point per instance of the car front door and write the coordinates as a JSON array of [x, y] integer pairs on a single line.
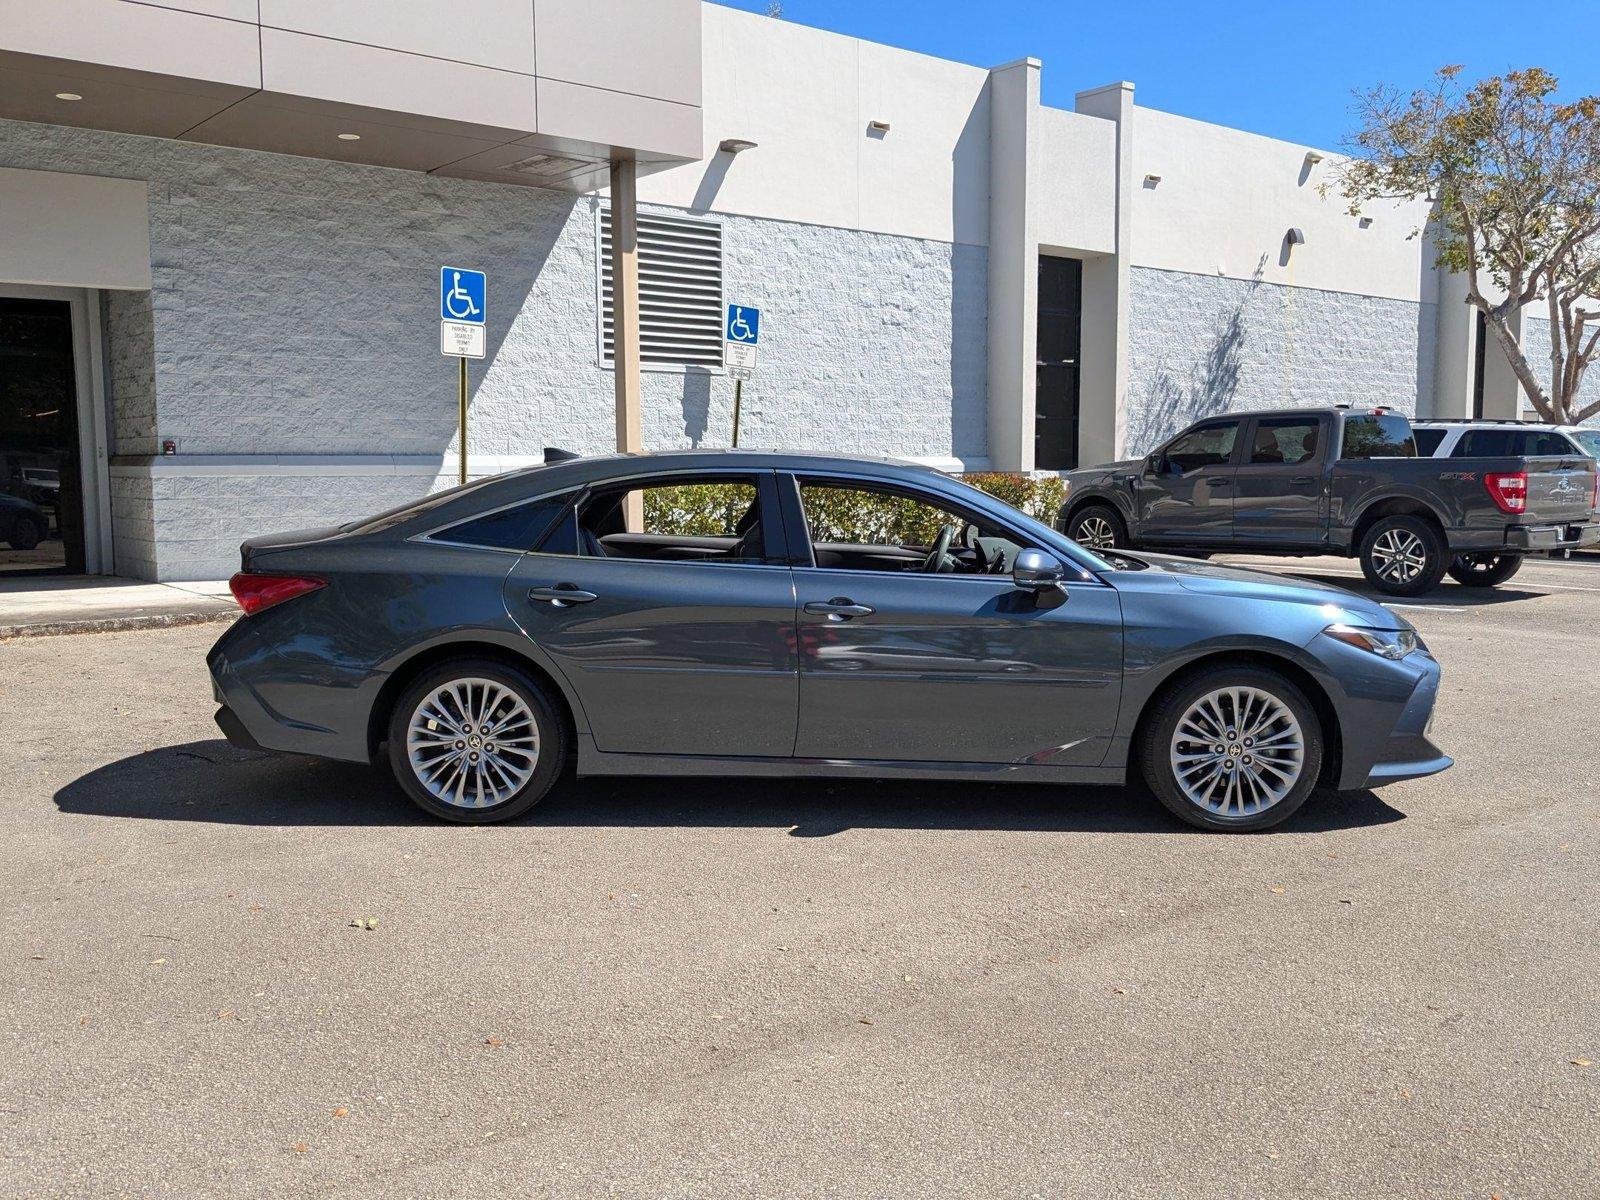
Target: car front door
[[1185, 491], [677, 637], [904, 665], [1278, 493]]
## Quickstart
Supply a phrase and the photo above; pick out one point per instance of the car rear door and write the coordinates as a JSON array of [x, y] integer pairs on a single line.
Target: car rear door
[[912, 667], [1185, 492], [1278, 493], [668, 656]]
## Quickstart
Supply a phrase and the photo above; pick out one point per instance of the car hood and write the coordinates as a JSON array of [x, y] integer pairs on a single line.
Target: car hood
[[1084, 474], [1193, 575]]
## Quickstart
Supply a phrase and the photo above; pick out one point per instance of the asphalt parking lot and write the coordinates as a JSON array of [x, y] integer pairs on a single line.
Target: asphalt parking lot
[[722, 988]]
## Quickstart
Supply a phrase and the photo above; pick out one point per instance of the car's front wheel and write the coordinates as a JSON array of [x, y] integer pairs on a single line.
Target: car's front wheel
[[1484, 570], [1098, 527], [1235, 749], [476, 741], [26, 533]]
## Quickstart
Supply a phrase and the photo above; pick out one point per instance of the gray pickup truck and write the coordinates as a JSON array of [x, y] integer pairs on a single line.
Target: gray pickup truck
[[1337, 481]]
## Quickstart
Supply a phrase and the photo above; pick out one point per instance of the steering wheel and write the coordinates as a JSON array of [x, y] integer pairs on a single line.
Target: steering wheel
[[935, 562]]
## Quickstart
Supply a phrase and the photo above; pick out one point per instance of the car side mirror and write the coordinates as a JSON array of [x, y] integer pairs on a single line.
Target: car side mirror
[[1160, 464], [1036, 571]]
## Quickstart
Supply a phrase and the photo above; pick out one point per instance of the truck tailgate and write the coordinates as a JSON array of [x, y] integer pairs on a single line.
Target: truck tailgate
[[1561, 491]]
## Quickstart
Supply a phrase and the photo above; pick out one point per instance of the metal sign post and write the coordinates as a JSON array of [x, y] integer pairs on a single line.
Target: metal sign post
[[463, 310], [739, 353]]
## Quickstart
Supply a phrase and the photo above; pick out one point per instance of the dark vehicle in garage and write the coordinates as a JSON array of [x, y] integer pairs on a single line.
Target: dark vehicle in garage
[[1336, 481], [766, 614]]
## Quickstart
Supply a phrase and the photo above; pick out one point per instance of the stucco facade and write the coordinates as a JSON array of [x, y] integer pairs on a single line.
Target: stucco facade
[[265, 322]]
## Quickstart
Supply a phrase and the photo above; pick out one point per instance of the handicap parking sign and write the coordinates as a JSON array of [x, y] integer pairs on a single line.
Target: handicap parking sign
[[744, 324], [461, 295]]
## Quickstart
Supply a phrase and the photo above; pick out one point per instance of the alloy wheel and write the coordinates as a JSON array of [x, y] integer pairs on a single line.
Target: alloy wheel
[[1096, 533], [472, 743], [1399, 556], [1237, 751]]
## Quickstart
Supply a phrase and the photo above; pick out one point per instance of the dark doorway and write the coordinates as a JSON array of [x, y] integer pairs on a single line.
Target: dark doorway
[[1055, 434], [41, 505], [1481, 341]]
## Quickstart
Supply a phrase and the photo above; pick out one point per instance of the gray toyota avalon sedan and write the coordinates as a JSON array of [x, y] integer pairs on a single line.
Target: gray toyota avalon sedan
[[717, 613]]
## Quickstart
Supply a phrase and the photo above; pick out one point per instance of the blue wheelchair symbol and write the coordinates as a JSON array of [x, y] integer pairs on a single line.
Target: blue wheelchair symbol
[[744, 324], [461, 295]]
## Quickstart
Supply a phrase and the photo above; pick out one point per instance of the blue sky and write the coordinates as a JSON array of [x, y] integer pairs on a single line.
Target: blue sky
[[1284, 69]]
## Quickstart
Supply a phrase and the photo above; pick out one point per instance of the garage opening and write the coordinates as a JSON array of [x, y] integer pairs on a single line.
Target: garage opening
[[41, 494]]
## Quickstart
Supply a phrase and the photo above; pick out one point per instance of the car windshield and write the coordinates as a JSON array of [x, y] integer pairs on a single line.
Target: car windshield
[[1589, 440]]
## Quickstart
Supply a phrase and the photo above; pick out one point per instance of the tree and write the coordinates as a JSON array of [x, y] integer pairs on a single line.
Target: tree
[[1514, 178]]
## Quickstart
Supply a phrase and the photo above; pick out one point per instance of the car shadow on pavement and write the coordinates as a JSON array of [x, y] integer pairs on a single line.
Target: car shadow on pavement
[[215, 782], [1446, 595]]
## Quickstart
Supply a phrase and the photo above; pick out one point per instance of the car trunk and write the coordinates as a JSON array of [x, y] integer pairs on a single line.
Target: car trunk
[[1561, 491]]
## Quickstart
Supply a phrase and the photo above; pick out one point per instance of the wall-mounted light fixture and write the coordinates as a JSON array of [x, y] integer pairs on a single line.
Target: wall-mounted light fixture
[[735, 145], [1295, 237], [1151, 181], [878, 126], [1313, 157], [1365, 222]]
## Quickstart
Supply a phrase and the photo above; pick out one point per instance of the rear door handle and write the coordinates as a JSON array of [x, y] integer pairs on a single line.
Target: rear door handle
[[838, 609], [1301, 480], [562, 595]]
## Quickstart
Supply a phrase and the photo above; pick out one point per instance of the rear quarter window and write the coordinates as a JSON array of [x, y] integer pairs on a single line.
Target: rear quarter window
[[1510, 443], [1383, 436], [517, 528], [1428, 440]]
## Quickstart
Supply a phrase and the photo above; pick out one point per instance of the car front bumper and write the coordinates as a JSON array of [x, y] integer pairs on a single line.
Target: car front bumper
[[1408, 752]]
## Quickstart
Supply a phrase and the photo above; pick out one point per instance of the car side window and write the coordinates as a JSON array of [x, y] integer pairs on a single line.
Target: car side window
[[709, 520], [1428, 440], [1284, 441], [1207, 446], [859, 527], [519, 527]]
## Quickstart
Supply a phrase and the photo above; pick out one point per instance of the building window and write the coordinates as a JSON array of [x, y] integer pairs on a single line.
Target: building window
[[680, 291]]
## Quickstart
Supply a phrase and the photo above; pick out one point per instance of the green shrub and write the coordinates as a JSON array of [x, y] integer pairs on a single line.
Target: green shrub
[[839, 514]]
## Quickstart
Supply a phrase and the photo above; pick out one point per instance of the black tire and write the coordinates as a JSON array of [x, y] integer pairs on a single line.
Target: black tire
[[552, 746], [1156, 751], [1089, 525], [1423, 543], [1484, 570], [25, 534]]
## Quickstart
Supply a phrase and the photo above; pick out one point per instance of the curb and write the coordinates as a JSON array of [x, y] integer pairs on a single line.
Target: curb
[[167, 620]]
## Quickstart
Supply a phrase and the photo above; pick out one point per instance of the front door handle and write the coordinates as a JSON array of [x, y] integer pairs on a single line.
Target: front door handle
[[1219, 481], [837, 609], [562, 595], [1302, 480]]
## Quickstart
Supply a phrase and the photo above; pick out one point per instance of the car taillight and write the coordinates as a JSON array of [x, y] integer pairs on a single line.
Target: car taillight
[[257, 592], [1508, 490]]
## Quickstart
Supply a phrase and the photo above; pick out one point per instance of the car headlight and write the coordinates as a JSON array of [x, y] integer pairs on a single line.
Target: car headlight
[[1393, 644]]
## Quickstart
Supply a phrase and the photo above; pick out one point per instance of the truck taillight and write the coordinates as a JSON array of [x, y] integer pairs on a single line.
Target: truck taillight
[[257, 592], [1508, 490]]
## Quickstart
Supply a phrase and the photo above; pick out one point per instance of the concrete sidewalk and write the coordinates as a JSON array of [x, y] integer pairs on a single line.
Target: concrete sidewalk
[[98, 604]]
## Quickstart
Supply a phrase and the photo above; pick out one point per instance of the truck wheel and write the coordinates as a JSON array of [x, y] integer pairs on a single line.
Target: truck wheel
[[1235, 749], [1098, 527], [1404, 555], [1484, 570]]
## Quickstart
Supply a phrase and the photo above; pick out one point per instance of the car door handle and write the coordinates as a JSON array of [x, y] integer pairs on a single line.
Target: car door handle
[[562, 595], [838, 609], [1302, 480], [1219, 481]]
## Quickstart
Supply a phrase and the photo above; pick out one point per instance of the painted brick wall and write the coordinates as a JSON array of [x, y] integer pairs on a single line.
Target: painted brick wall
[[293, 312], [1201, 345], [1536, 345]]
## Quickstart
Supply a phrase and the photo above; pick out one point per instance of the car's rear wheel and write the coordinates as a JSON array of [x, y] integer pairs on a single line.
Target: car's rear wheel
[[1098, 527], [26, 533], [1235, 749], [476, 741], [1484, 570], [1403, 555]]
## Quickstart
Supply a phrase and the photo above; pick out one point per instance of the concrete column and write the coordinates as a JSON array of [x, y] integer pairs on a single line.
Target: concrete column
[[1502, 390], [625, 301], [1455, 349], [1107, 283], [1013, 264], [625, 322]]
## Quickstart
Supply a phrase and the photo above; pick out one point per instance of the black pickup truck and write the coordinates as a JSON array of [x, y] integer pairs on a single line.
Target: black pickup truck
[[1337, 481]]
